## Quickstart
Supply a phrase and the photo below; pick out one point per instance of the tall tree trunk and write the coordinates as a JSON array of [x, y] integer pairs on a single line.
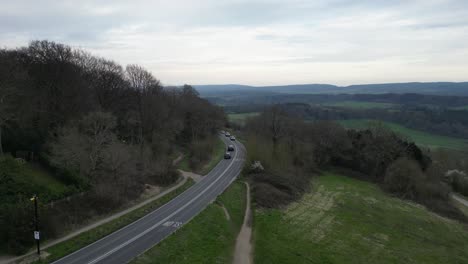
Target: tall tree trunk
[[1, 146]]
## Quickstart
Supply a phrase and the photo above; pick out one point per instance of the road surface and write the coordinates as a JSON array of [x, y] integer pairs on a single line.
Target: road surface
[[127, 243], [460, 199]]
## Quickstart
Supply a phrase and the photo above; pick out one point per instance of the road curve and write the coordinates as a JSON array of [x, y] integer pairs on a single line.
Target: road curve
[[132, 240]]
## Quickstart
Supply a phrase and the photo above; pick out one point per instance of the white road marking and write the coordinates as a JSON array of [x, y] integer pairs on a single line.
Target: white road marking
[[168, 223], [173, 224]]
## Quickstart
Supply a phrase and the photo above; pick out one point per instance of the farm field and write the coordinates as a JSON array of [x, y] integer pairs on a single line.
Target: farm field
[[460, 107], [361, 105], [344, 220], [421, 138], [241, 118]]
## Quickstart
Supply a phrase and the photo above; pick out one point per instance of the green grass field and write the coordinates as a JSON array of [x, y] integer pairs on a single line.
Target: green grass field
[[241, 118], [343, 220], [62, 249], [208, 238], [360, 104], [35, 175], [419, 137], [26, 179]]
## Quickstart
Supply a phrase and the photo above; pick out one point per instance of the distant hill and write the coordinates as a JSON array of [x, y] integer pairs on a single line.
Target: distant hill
[[433, 88]]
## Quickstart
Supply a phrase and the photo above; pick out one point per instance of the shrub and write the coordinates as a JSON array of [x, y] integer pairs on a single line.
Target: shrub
[[460, 183], [403, 177], [200, 152]]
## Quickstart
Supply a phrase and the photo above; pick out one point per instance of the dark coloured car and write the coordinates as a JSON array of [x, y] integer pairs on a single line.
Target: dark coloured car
[[227, 155], [233, 138], [231, 148]]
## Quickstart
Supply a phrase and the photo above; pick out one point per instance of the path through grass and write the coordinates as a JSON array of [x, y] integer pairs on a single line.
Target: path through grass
[[208, 238]]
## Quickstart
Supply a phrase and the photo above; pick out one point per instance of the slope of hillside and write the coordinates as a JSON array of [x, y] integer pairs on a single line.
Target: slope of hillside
[[344, 220], [434, 88]]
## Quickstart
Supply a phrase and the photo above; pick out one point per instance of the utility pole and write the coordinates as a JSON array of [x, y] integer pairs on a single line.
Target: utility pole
[[36, 224]]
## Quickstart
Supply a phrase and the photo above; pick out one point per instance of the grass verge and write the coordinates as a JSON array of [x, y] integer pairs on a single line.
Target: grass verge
[[62, 249], [208, 238], [419, 137], [344, 220]]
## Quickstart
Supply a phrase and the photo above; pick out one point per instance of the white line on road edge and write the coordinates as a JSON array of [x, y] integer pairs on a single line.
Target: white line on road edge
[[134, 222], [164, 220]]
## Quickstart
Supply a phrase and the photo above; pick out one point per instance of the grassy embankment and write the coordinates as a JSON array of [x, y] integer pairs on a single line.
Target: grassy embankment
[[208, 238], [344, 220], [216, 156], [360, 104], [88, 237], [241, 118], [419, 137], [27, 179]]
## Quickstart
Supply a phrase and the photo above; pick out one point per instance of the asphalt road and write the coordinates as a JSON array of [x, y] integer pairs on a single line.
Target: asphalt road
[[460, 199], [134, 239]]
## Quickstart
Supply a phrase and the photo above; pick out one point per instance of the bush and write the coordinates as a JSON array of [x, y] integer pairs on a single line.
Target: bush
[[460, 183], [65, 175], [200, 151], [16, 226], [403, 178], [277, 189]]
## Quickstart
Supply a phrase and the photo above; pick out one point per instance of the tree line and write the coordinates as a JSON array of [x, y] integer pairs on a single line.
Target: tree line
[[98, 126], [292, 151], [440, 121]]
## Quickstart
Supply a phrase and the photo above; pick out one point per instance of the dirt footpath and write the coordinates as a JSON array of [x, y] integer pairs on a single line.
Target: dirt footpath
[[243, 250]]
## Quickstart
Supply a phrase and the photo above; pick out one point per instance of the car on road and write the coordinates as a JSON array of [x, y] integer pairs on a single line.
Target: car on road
[[227, 155], [227, 134], [233, 138], [231, 148]]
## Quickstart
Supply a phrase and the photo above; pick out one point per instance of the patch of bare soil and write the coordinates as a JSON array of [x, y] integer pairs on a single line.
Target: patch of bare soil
[[188, 174], [243, 250]]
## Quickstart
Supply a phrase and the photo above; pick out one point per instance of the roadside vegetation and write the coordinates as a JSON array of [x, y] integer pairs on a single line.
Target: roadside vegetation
[[95, 132], [344, 220], [203, 156], [64, 248], [392, 205], [293, 151], [421, 138], [209, 238]]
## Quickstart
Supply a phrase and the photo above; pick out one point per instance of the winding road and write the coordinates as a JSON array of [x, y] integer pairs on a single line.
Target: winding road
[[132, 240]]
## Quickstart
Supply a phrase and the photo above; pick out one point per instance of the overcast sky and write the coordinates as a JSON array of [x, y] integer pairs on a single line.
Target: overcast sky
[[257, 42]]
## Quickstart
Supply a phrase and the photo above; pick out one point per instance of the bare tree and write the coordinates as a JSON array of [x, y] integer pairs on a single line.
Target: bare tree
[[82, 147], [146, 87], [276, 124]]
